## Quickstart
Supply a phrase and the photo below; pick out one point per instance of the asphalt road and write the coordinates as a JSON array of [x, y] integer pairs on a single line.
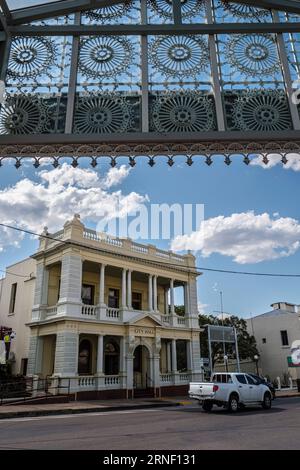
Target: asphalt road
[[175, 428]]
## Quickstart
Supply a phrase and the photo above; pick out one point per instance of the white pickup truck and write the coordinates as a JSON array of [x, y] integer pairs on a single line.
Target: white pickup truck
[[232, 391]]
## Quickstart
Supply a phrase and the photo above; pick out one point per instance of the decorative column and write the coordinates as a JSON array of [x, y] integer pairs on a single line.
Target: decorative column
[[124, 288], [155, 293], [100, 357], [129, 290], [156, 365], [167, 301], [130, 346], [174, 356], [186, 299], [169, 357], [100, 353], [102, 285], [189, 353], [122, 365], [172, 296], [70, 285], [150, 294], [174, 362]]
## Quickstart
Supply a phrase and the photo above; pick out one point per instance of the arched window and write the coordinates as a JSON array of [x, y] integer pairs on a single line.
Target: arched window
[[111, 358], [85, 357]]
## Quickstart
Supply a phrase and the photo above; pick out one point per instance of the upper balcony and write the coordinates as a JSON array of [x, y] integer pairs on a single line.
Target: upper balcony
[[75, 231], [100, 285]]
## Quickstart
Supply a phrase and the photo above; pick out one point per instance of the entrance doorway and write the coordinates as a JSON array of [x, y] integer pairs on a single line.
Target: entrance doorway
[[141, 368]]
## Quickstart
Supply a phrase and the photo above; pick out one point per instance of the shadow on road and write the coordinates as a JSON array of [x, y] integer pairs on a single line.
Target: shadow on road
[[221, 411]]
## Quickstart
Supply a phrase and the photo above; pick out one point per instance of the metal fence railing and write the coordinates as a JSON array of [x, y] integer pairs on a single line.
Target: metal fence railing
[[23, 389]]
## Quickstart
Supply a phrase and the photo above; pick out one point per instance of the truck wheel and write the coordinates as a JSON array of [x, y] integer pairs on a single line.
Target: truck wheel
[[233, 403], [207, 406], [267, 401]]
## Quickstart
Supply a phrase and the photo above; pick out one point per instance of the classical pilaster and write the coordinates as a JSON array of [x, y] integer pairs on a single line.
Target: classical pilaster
[[196, 357], [40, 291], [35, 355], [70, 285], [66, 354], [192, 312]]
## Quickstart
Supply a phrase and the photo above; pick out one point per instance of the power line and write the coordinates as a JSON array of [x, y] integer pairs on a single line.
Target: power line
[[197, 268], [14, 274]]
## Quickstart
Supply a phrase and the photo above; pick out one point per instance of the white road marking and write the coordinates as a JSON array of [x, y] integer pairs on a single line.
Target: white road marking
[[75, 415]]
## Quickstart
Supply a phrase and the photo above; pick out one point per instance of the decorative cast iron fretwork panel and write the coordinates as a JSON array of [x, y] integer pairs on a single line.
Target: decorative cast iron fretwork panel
[[25, 114], [105, 113], [105, 56], [253, 54], [30, 57], [187, 111], [126, 12], [108, 13], [147, 69], [258, 110], [242, 11], [189, 8], [179, 56], [226, 11]]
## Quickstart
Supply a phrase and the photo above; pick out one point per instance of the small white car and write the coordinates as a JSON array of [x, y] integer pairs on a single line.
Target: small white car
[[232, 391]]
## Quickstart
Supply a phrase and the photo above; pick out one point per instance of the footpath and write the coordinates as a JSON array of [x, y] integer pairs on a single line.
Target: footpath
[[98, 406], [91, 406]]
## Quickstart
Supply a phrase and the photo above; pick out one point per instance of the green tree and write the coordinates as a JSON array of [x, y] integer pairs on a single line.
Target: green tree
[[246, 342]]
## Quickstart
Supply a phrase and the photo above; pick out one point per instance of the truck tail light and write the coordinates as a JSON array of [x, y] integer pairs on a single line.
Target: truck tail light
[[215, 388]]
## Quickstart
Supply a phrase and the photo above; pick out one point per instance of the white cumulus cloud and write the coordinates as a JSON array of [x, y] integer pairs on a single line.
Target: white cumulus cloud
[[293, 162], [58, 194], [245, 237]]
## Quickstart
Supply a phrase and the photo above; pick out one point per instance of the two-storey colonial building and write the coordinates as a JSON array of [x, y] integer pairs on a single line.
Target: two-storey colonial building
[[104, 316]]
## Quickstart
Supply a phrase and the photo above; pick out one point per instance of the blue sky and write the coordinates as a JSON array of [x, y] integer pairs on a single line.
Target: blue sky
[[223, 190]]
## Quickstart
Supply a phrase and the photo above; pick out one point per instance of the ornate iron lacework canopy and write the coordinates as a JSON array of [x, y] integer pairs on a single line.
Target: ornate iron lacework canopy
[[149, 78]]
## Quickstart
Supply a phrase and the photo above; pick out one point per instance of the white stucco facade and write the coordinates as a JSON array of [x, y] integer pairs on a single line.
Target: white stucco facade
[[271, 331], [23, 275], [100, 312]]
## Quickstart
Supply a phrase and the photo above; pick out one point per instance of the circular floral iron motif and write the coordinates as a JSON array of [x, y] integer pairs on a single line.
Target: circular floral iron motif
[[243, 11], [189, 8], [253, 54], [179, 56], [109, 12], [103, 114], [22, 115], [105, 56], [262, 111], [183, 112], [30, 57]]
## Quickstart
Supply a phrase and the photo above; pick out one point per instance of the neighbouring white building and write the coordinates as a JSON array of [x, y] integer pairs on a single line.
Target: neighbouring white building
[[275, 332], [100, 311]]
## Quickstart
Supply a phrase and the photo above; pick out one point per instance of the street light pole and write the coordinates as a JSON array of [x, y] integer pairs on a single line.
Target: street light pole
[[224, 348]]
